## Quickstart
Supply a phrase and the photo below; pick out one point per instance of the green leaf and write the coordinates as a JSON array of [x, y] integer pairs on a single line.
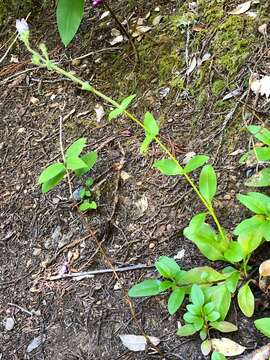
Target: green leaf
[[232, 281], [246, 301], [249, 241], [263, 325], [168, 167], [149, 287], [165, 285], [250, 225], [213, 316], [86, 205], [175, 300], [203, 334], [186, 330], [115, 113], [221, 297], [206, 347], [265, 229], [51, 172], [196, 162], [205, 238], [260, 133], [50, 184], [150, 124], [89, 182], [208, 308], [198, 323], [217, 356], [126, 101], [75, 163], [223, 326], [256, 202], [89, 159], [234, 252], [190, 318], [69, 14], [76, 148], [208, 183], [196, 295], [167, 267], [200, 275], [261, 179], [194, 309], [146, 143]]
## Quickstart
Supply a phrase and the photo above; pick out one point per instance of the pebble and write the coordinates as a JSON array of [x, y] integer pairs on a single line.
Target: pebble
[[151, 246], [9, 323], [227, 197]]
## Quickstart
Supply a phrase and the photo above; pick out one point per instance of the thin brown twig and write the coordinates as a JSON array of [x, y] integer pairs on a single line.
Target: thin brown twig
[[63, 155]]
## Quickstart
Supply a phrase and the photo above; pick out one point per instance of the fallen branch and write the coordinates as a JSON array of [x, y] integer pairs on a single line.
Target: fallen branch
[[101, 271], [261, 354]]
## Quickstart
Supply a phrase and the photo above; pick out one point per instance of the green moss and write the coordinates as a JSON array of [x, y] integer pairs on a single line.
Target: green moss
[[218, 86], [233, 42]]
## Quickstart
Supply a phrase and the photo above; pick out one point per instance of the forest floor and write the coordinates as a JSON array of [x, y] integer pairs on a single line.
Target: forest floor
[[141, 214]]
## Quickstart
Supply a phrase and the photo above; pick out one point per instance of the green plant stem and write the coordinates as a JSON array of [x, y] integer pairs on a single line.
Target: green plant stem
[[137, 121]]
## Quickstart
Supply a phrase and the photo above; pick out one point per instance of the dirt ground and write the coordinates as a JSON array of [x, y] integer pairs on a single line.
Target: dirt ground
[[141, 214]]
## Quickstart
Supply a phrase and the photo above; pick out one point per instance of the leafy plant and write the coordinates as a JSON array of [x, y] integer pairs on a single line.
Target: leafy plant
[[52, 175], [258, 155], [202, 315], [263, 325], [210, 291]]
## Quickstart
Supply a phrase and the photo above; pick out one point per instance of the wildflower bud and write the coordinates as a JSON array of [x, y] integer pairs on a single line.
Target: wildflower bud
[[23, 29]]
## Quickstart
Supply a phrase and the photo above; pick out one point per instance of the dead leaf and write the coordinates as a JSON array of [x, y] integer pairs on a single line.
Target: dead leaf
[[227, 347], [115, 32], [199, 27], [265, 86], [137, 342], [263, 29], [232, 94], [104, 15], [117, 40], [254, 82], [35, 343], [124, 175], [241, 8], [264, 268], [188, 157], [179, 255], [236, 152], [251, 14], [157, 20], [140, 30], [142, 205], [100, 113], [192, 66]]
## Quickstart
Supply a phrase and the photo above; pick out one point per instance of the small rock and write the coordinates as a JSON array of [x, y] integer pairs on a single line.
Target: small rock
[[117, 286], [151, 246], [76, 62], [77, 194], [227, 197], [9, 323]]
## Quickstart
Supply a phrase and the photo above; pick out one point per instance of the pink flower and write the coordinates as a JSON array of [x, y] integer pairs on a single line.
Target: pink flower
[[21, 26], [96, 2]]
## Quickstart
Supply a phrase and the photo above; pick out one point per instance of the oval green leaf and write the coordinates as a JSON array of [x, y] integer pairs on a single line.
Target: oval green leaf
[[246, 300], [168, 167], [196, 295], [186, 330], [208, 183], [196, 162], [224, 326], [175, 300], [167, 267], [76, 148], [69, 15], [51, 172], [149, 287], [263, 325]]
